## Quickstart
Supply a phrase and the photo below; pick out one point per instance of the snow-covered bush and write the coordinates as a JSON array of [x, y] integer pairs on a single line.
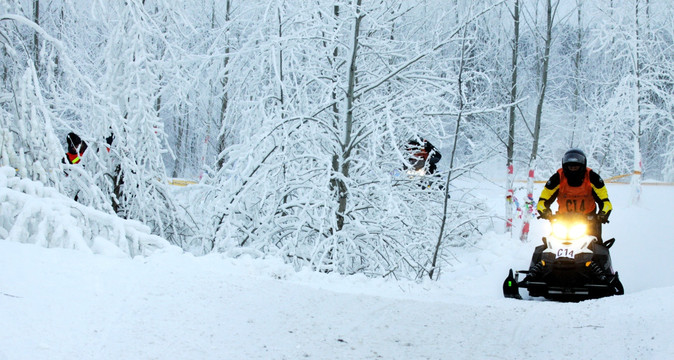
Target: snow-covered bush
[[116, 90], [33, 213]]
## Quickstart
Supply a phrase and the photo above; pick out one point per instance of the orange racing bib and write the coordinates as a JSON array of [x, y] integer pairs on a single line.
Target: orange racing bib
[[575, 199]]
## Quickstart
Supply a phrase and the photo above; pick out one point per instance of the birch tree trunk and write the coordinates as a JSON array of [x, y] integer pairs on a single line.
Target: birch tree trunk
[[510, 150], [575, 106], [635, 183], [347, 145], [36, 38], [336, 185], [224, 99], [279, 79], [528, 210]]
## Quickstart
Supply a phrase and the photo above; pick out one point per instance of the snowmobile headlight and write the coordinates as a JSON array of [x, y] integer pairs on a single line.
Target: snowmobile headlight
[[417, 172], [568, 231], [577, 230], [559, 230]]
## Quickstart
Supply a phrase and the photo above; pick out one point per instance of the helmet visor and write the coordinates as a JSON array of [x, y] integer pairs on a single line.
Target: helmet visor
[[573, 157]]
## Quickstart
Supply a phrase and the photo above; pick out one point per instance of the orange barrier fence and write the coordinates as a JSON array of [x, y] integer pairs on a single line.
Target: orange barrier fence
[[181, 182], [616, 180]]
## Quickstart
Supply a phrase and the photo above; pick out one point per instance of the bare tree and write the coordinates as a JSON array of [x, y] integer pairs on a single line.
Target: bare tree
[[224, 98], [537, 121], [577, 63], [510, 145], [636, 128], [457, 128], [36, 37]]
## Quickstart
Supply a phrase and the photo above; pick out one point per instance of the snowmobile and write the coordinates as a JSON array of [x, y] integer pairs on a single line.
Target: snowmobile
[[425, 179], [571, 265], [420, 177]]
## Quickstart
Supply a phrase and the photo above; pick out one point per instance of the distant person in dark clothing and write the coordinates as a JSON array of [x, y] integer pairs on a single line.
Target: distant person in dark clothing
[[109, 140], [423, 155], [76, 148]]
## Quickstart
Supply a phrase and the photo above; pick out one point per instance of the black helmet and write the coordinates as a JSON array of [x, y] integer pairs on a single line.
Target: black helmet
[[574, 156]]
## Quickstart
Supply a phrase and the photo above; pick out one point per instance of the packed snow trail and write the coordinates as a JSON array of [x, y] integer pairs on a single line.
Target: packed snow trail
[[180, 307], [76, 305]]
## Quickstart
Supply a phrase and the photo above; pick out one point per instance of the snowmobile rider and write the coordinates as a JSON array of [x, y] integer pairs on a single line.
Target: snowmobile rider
[[578, 189], [76, 148], [421, 153]]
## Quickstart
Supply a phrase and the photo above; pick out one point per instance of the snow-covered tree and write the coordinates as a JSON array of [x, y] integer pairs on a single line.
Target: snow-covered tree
[[632, 100], [28, 141], [321, 183]]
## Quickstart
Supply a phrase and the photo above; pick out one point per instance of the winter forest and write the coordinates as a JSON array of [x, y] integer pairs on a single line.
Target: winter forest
[[292, 117]]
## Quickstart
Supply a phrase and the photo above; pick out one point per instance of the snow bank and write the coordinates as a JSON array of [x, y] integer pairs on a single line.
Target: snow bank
[[33, 213]]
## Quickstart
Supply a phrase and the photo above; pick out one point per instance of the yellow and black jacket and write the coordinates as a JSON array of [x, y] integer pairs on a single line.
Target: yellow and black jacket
[[577, 198]]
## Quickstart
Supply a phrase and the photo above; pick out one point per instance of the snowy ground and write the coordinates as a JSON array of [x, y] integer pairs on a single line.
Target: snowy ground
[[69, 304]]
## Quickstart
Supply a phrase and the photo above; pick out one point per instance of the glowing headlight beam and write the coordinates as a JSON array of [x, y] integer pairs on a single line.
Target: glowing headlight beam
[[559, 230], [568, 231], [577, 230]]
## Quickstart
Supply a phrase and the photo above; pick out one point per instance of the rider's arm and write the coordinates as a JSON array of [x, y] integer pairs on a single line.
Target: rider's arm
[[549, 193], [600, 193]]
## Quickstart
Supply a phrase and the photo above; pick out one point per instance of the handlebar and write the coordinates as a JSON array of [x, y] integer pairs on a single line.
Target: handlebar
[[587, 217]]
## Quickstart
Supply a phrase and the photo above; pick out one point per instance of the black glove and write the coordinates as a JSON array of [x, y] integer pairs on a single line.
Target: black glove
[[602, 217], [545, 214]]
